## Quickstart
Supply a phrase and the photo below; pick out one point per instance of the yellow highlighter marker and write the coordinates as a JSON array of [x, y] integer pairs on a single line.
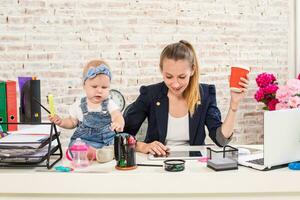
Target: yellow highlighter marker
[[51, 104]]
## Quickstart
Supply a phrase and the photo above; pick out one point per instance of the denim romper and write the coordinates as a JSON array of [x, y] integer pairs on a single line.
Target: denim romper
[[94, 129]]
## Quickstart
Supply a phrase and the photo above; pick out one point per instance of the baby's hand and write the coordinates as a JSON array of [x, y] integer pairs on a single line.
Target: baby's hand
[[117, 126], [55, 119]]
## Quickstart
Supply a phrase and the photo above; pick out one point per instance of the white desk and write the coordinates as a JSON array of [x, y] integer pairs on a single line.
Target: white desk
[[196, 182]]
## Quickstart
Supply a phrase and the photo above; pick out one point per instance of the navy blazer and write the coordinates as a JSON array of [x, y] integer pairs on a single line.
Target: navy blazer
[[153, 104]]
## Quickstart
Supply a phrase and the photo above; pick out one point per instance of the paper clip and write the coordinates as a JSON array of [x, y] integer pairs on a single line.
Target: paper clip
[[51, 104]]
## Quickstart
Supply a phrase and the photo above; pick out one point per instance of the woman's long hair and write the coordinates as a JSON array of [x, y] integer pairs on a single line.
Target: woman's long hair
[[183, 50]]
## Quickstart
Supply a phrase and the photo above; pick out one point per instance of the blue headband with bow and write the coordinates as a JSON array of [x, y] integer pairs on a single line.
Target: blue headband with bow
[[93, 72]]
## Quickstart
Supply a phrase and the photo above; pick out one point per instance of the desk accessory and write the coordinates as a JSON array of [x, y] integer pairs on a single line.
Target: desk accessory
[[149, 165], [3, 106], [44, 153], [174, 165], [11, 102], [48, 111], [63, 169], [226, 159], [30, 89], [39, 158], [71, 170], [294, 165], [124, 148], [51, 104]]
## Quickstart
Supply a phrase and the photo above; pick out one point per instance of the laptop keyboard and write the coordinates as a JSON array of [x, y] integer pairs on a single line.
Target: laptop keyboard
[[259, 161]]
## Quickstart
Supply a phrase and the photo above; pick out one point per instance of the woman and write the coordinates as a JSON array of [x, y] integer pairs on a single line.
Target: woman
[[179, 108]]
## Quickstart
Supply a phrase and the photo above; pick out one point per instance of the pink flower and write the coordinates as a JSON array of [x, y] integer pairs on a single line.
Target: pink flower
[[259, 95], [267, 89], [294, 86], [270, 89], [283, 93], [277, 98], [265, 79], [289, 95], [294, 102], [281, 106], [272, 104]]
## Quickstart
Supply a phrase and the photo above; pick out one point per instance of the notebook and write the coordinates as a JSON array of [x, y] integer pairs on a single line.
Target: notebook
[[281, 141]]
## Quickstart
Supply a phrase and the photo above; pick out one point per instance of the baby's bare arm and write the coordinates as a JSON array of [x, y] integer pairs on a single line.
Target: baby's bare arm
[[67, 123], [118, 121]]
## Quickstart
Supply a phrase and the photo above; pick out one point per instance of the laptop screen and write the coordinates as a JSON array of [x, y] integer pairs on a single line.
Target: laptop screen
[[281, 137]]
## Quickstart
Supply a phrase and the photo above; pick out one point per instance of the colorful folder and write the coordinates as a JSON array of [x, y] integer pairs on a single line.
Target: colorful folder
[[30, 110], [3, 112], [11, 100]]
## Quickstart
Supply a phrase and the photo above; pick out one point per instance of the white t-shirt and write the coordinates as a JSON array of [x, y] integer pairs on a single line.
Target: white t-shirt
[[76, 112], [178, 130]]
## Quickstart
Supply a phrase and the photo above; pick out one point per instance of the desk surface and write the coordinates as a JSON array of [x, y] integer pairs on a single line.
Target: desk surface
[[196, 181]]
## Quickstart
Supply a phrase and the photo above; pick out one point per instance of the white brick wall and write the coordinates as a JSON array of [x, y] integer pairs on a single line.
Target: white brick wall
[[53, 39]]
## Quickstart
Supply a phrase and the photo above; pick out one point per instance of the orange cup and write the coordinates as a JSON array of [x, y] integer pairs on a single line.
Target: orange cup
[[235, 76]]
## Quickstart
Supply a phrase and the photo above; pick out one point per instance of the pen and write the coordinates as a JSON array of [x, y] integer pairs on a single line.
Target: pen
[[149, 165], [51, 104], [41, 105]]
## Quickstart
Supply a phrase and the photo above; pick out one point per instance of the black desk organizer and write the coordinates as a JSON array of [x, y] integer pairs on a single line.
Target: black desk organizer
[[225, 159], [30, 160]]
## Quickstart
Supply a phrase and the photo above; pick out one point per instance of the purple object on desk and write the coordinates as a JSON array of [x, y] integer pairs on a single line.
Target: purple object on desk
[[22, 81]]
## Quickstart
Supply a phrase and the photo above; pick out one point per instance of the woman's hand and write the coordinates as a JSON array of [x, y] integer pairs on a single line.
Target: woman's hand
[[55, 119], [153, 148], [236, 97]]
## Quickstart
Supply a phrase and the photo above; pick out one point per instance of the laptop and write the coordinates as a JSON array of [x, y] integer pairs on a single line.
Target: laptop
[[281, 141]]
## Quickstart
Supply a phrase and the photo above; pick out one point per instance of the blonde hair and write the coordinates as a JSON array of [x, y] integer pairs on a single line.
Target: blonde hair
[[183, 50], [92, 63]]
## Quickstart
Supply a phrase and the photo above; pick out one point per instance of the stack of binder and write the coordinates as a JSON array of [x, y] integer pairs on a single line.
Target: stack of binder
[[30, 94], [8, 105]]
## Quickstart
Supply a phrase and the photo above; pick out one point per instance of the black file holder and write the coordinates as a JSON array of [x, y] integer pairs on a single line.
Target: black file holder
[[29, 110], [23, 159]]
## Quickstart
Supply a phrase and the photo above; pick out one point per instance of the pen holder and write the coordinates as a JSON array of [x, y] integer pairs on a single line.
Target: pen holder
[[226, 159], [124, 148]]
